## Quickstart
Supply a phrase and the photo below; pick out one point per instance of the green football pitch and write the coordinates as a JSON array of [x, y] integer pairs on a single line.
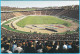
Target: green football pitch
[[42, 20]]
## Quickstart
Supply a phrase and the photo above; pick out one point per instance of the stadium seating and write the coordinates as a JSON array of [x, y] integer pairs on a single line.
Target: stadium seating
[[10, 37], [5, 16]]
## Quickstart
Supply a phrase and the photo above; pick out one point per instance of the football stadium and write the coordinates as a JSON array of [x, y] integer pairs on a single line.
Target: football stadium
[[36, 30]]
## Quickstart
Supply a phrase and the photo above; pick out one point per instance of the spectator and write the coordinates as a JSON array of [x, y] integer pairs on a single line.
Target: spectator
[[7, 50], [64, 46], [19, 49], [49, 48], [2, 47], [40, 50], [30, 49], [14, 46]]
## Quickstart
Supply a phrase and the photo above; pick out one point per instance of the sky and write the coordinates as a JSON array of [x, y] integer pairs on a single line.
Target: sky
[[24, 4]]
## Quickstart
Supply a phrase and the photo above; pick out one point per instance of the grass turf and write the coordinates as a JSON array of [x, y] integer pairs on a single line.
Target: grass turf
[[42, 20]]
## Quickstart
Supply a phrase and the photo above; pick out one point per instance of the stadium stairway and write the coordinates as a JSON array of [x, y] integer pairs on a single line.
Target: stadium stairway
[[62, 12]]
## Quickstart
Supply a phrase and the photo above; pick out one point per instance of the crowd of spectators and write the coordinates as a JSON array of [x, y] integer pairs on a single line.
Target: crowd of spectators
[[5, 16], [70, 13], [7, 8], [11, 34], [53, 12], [38, 46]]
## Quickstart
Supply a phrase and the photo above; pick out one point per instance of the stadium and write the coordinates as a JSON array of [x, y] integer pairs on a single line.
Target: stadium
[[41, 25], [41, 21]]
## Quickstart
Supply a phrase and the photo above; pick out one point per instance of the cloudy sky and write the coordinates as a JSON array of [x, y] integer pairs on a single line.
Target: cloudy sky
[[23, 4]]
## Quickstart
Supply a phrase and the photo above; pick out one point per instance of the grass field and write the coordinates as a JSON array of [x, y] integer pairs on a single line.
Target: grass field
[[11, 29], [41, 20]]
